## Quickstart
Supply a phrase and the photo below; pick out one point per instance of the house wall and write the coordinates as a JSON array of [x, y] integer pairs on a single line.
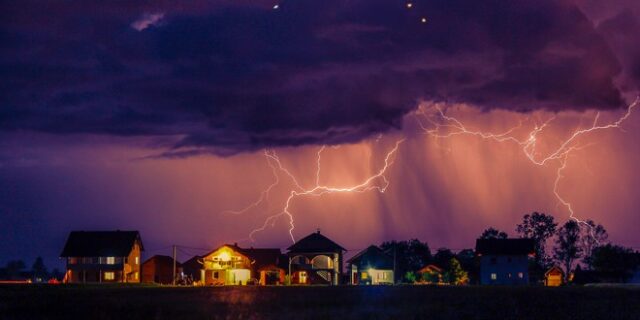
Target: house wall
[[314, 271], [133, 264], [92, 269], [508, 270], [229, 266], [158, 271], [92, 273], [370, 276]]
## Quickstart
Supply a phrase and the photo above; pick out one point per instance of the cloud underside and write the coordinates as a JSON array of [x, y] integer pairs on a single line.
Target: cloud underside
[[236, 76]]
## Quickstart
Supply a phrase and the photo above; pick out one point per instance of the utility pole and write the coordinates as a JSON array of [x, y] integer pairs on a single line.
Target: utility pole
[[174, 265], [289, 271]]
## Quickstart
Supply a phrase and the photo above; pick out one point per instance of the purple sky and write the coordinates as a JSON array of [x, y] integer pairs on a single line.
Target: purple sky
[[153, 115]]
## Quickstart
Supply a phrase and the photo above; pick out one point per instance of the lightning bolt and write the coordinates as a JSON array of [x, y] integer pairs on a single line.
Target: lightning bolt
[[435, 123], [438, 122], [375, 182]]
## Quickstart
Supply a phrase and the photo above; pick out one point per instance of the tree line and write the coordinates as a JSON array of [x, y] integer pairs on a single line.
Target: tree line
[[582, 245], [17, 270]]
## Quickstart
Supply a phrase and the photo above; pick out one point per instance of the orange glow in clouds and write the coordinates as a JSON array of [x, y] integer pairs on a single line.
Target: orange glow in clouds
[[458, 175]]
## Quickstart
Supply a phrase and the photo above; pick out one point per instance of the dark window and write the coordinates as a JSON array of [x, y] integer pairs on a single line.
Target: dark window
[[494, 260]]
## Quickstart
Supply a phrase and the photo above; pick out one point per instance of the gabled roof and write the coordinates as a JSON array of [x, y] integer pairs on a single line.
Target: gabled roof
[[162, 259], [372, 257], [554, 269], [505, 246], [100, 243], [315, 242], [432, 268], [260, 257], [263, 257]]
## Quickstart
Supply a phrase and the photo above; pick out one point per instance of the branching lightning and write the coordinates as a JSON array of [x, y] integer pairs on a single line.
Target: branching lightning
[[377, 181], [436, 123]]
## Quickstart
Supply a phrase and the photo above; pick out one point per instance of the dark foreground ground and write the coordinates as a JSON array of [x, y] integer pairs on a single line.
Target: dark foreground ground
[[398, 302]]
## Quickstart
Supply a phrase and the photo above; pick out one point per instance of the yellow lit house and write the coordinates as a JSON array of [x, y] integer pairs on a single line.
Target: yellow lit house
[[232, 265]]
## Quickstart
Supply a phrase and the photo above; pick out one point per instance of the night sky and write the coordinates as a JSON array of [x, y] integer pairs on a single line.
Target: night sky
[[161, 116]]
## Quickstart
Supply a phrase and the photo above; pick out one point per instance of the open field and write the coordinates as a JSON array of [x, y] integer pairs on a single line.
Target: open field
[[397, 302]]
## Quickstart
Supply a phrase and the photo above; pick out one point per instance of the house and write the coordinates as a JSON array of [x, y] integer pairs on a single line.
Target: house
[[554, 277], [371, 266], [431, 274], [504, 261], [192, 269], [232, 265], [315, 259], [159, 269], [102, 256]]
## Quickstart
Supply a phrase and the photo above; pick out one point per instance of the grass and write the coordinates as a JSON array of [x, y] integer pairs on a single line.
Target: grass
[[391, 302]]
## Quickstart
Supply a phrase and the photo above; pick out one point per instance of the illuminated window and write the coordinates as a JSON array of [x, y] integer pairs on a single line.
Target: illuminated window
[[494, 276], [111, 260], [137, 260], [365, 275], [520, 275], [109, 275], [135, 276], [73, 260], [302, 277]]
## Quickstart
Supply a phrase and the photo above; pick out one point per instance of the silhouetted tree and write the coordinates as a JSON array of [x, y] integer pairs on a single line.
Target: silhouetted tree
[[443, 257], [467, 258], [410, 255], [39, 269], [593, 235], [456, 275], [539, 227], [615, 259], [492, 233], [567, 249]]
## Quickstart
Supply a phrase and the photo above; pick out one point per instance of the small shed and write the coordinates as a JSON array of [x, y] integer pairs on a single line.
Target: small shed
[[159, 269], [431, 274], [554, 277]]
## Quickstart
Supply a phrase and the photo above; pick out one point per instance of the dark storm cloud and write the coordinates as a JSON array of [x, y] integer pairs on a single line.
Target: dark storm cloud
[[231, 76]]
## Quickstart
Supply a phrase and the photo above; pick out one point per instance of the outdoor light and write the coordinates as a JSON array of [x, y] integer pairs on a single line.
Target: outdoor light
[[225, 256]]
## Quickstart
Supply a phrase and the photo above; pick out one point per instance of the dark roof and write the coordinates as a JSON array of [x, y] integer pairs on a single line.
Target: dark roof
[[192, 266], [262, 257], [505, 246], [162, 259], [315, 242], [100, 243], [372, 257]]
